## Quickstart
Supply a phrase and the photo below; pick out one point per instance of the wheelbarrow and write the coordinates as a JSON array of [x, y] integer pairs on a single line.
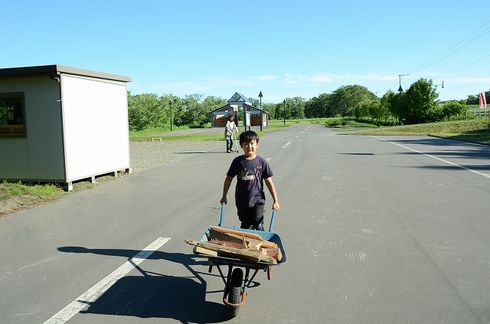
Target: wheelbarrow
[[241, 273]]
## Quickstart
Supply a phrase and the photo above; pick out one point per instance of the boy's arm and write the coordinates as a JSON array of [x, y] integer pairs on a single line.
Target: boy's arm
[[226, 186], [272, 190]]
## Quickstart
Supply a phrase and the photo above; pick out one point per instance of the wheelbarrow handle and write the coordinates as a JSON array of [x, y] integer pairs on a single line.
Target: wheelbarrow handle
[[222, 215], [273, 217]]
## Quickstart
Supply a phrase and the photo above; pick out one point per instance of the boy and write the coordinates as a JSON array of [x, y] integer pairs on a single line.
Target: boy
[[251, 171]]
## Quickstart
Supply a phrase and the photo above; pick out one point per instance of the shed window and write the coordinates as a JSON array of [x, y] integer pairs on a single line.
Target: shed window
[[12, 114]]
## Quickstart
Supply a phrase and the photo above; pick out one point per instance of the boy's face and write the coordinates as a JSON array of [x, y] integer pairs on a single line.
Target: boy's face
[[249, 148]]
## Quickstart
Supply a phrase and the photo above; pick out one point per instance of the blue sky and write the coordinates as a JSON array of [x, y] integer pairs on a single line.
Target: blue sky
[[282, 48]]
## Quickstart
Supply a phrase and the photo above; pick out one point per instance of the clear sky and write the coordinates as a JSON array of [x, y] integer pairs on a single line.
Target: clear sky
[[283, 48]]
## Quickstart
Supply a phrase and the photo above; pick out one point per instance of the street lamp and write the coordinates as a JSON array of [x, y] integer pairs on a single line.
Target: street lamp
[[400, 89], [284, 111], [260, 107], [171, 115]]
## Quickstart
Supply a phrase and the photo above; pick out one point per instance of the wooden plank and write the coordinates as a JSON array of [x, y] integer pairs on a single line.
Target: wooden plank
[[235, 238], [273, 252], [201, 250], [240, 233], [266, 244], [245, 254]]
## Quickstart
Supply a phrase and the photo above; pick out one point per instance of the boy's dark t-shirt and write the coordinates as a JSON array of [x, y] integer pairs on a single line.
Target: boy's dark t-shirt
[[250, 175]]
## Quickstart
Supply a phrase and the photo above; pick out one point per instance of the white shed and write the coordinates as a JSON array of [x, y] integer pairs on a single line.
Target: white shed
[[62, 124]]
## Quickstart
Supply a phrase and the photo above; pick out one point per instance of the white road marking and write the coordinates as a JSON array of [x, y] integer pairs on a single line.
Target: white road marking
[[286, 144], [96, 291], [439, 159], [268, 159]]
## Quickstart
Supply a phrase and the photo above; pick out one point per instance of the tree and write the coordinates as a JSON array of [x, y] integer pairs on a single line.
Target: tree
[[192, 109], [378, 114], [283, 109], [297, 107], [254, 102], [345, 99], [420, 104], [209, 104], [145, 111], [174, 109], [361, 110], [472, 100], [317, 107], [452, 108], [270, 108], [388, 103]]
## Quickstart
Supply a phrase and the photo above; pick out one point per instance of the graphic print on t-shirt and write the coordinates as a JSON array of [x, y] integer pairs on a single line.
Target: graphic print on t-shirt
[[247, 175]]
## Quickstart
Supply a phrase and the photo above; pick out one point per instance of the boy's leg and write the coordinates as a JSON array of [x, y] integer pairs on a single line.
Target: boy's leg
[[258, 217], [252, 218], [244, 217]]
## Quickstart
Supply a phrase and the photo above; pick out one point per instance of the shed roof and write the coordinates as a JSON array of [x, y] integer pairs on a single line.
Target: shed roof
[[57, 69]]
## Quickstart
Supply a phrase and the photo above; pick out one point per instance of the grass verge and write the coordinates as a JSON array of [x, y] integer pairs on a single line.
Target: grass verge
[[475, 131]]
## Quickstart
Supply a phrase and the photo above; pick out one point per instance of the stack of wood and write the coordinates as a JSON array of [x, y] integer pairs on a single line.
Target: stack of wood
[[237, 244]]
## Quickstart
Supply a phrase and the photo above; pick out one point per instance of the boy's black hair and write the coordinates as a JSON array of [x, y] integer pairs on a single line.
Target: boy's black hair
[[247, 136]]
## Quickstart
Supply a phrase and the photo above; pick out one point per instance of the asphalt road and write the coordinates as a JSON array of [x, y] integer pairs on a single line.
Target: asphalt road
[[376, 230]]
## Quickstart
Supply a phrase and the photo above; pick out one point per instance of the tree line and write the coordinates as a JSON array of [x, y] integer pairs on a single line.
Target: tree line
[[419, 104]]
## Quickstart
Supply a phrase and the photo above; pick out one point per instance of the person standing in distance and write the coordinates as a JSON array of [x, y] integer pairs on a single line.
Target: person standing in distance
[[230, 129], [251, 171]]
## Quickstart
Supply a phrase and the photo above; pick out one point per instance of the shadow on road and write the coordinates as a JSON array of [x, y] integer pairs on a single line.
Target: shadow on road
[[155, 295]]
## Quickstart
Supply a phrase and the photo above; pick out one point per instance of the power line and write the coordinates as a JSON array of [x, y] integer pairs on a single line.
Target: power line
[[455, 48], [440, 76]]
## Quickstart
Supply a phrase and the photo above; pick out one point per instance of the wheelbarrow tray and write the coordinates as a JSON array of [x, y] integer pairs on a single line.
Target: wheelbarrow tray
[[267, 236]]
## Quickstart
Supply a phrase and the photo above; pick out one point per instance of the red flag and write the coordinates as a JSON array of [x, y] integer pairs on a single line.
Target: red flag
[[483, 100]]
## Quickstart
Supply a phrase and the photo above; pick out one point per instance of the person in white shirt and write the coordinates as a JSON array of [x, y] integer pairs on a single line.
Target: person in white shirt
[[230, 129]]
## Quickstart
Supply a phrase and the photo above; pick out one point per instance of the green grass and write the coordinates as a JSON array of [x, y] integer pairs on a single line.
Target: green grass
[[166, 135], [476, 130], [42, 192], [17, 196]]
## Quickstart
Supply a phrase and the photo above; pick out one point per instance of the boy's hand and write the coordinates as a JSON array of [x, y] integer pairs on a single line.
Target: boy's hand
[[275, 206], [223, 201]]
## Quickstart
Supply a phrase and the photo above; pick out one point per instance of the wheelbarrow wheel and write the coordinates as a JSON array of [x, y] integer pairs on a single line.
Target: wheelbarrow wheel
[[235, 291]]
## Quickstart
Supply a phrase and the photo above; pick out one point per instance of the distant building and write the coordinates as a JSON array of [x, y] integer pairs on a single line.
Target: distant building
[[62, 124], [239, 106]]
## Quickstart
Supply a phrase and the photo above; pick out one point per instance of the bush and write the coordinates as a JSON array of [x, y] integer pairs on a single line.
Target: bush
[[333, 122]]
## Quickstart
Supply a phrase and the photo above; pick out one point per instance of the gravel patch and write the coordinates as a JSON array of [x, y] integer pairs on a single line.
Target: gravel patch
[[148, 155], [143, 156]]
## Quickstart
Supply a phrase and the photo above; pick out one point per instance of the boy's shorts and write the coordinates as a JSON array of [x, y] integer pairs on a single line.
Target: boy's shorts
[[252, 218]]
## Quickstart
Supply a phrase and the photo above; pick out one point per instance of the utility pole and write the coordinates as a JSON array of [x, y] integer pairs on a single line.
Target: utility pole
[[260, 107], [284, 111], [400, 90], [171, 115]]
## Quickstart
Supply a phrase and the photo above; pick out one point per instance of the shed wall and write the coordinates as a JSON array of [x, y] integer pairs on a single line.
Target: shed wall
[[95, 126], [38, 155]]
